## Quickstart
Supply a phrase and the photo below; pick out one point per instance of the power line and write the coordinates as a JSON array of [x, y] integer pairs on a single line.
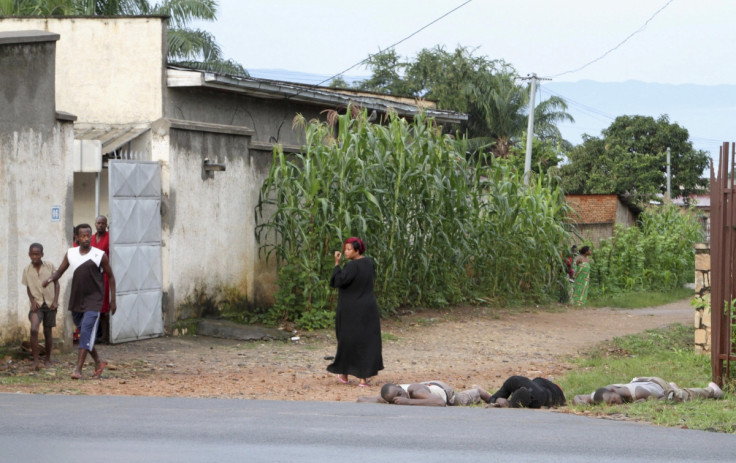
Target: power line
[[397, 43], [620, 43], [580, 106]]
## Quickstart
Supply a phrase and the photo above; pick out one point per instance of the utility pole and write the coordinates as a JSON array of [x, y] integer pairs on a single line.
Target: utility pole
[[669, 174], [530, 126]]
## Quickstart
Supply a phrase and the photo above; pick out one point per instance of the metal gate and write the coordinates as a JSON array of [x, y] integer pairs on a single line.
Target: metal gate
[[135, 249], [723, 252]]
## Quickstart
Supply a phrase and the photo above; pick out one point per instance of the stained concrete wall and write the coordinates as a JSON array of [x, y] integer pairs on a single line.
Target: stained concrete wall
[[269, 119], [109, 70], [84, 196], [594, 233], [35, 173], [209, 217], [624, 216], [225, 202]]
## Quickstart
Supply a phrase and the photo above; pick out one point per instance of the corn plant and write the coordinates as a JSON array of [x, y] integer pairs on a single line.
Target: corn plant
[[441, 229]]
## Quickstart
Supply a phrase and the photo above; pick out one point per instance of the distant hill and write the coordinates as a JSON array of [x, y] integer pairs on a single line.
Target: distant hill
[[707, 112]]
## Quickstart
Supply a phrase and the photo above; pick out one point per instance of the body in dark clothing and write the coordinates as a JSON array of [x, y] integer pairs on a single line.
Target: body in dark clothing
[[357, 321], [529, 393]]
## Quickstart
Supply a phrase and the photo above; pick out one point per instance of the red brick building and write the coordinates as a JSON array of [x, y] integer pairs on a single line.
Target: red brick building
[[594, 216]]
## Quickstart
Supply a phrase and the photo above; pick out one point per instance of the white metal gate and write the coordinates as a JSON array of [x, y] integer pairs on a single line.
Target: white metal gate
[[135, 249]]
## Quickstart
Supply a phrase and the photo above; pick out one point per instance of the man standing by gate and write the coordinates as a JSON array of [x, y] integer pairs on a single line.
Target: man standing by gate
[[88, 290], [101, 240]]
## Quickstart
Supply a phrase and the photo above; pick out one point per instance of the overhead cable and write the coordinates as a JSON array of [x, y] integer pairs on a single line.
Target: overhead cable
[[619, 44], [395, 44]]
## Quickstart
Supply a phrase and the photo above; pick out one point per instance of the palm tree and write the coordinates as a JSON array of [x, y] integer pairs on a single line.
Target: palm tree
[[498, 111], [34, 7], [187, 47], [547, 115]]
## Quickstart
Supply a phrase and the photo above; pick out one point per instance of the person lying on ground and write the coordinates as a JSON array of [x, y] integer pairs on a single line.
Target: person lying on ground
[[640, 389], [520, 391], [428, 393]]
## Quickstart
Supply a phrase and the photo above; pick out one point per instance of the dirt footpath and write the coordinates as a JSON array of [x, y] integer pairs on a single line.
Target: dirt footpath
[[463, 347]]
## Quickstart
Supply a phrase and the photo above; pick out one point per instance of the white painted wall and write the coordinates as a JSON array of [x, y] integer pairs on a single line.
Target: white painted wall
[[208, 221], [84, 197], [108, 70], [35, 174]]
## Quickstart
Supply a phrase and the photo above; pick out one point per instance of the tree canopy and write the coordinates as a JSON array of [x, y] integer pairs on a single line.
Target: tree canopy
[[630, 159], [187, 47], [489, 91]]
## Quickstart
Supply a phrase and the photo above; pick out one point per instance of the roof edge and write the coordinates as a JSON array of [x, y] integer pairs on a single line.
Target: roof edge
[[27, 36], [306, 94]]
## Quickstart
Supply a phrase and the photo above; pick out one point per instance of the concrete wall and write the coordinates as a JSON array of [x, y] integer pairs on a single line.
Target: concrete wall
[[108, 70], [27, 96], [594, 233], [624, 216], [226, 202], [208, 219], [270, 120], [35, 174], [84, 197]]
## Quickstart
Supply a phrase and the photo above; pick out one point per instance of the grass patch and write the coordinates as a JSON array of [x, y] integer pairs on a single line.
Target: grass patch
[[667, 353], [639, 299], [13, 380], [388, 337], [424, 321]]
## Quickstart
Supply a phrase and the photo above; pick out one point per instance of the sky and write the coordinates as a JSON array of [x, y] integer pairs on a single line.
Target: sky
[[653, 41]]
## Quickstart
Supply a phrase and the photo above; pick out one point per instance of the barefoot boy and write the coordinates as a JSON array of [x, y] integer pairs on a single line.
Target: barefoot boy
[[44, 301], [88, 288]]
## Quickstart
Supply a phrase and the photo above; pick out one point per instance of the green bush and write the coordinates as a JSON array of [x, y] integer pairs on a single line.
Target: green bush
[[656, 255]]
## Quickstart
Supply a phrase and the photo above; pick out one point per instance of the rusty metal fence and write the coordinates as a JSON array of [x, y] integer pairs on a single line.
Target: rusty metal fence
[[723, 252]]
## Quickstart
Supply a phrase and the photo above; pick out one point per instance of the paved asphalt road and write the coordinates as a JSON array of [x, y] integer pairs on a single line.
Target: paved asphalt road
[[60, 429]]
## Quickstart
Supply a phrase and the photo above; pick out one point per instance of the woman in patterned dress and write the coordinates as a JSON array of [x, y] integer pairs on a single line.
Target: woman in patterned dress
[[582, 277]]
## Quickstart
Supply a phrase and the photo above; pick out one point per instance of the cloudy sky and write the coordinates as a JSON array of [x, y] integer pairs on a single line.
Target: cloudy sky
[[673, 41], [654, 41]]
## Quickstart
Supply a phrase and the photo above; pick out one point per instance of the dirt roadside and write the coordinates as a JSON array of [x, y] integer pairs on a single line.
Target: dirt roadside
[[463, 347]]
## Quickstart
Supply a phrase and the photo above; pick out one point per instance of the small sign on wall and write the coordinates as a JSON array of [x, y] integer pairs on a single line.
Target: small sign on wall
[[56, 213]]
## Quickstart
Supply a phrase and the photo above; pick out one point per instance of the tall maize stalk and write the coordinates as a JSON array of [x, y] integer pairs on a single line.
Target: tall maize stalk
[[442, 230]]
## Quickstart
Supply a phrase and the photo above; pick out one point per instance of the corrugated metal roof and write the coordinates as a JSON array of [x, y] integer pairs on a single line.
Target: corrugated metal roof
[[263, 88], [112, 136], [700, 201]]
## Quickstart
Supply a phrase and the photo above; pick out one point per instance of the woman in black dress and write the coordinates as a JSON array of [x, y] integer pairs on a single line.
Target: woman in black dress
[[357, 323]]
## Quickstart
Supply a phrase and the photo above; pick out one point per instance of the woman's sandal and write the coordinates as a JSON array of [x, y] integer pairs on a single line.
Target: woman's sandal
[[344, 381]]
